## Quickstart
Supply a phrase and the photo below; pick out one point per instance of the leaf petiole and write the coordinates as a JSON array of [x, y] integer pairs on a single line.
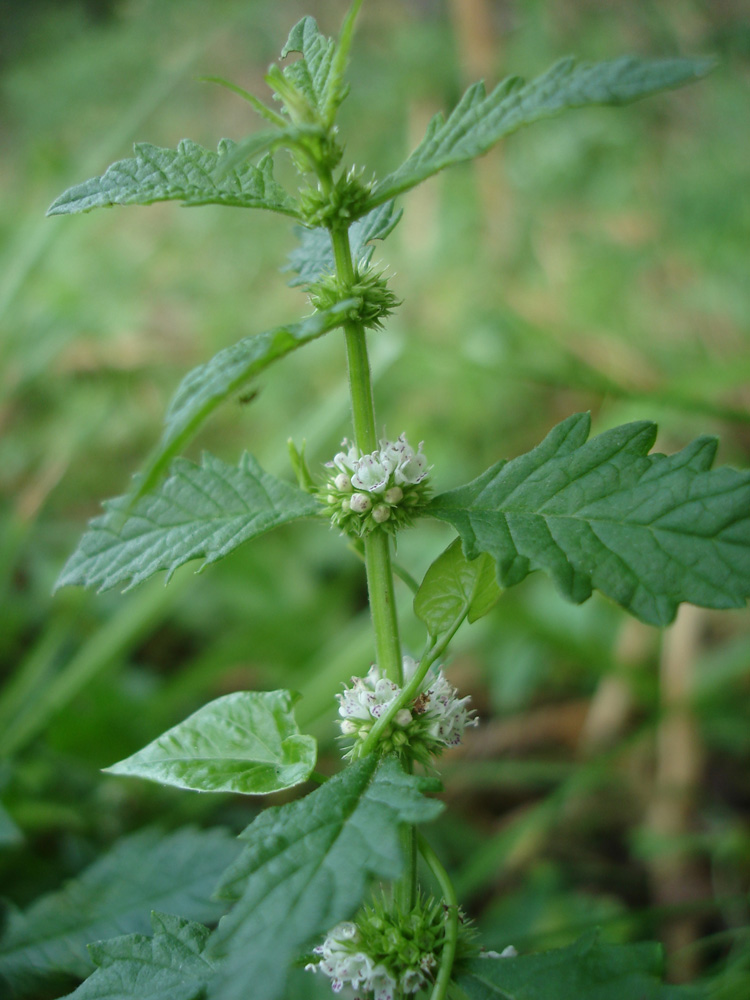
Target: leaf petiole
[[442, 981]]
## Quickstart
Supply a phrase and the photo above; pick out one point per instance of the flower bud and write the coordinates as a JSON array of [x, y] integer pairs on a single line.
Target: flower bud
[[360, 503], [348, 728], [402, 717], [394, 495], [381, 514], [343, 483]]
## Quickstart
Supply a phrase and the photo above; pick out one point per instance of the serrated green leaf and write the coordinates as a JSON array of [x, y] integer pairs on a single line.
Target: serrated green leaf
[[176, 872], [247, 742], [649, 531], [586, 970], [479, 120], [208, 385], [167, 966], [189, 174], [201, 511], [306, 867], [313, 258], [455, 588], [312, 75]]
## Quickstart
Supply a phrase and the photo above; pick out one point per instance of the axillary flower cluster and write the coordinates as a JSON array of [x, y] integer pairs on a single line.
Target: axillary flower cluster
[[385, 952], [386, 488], [435, 719], [388, 952]]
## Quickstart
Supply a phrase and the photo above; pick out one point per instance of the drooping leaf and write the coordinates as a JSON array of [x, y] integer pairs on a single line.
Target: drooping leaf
[[313, 258], [246, 742], [586, 970], [168, 966], [208, 385], [306, 867], [455, 588], [189, 174], [649, 531], [201, 511], [479, 120], [176, 872]]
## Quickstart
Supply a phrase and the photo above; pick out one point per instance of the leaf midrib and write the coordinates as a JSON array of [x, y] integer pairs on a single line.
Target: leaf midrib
[[322, 857], [505, 511]]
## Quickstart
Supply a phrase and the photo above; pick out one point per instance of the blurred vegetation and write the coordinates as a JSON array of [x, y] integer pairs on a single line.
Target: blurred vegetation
[[595, 262]]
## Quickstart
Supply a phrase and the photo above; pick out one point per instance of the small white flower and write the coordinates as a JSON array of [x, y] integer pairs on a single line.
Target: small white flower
[[368, 697], [345, 965], [448, 714], [412, 981], [509, 952], [409, 666], [371, 473], [345, 461], [408, 466]]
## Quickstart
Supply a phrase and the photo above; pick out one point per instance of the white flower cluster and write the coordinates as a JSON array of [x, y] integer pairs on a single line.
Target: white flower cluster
[[346, 964], [395, 461], [382, 488], [436, 718]]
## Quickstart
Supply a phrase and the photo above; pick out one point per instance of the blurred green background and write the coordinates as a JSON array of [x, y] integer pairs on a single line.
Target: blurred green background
[[598, 261]]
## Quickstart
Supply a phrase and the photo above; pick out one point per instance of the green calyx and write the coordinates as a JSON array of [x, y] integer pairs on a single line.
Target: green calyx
[[339, 205], [411, 740], [404, 944], [375, 301], [408, 942], [358, 512]]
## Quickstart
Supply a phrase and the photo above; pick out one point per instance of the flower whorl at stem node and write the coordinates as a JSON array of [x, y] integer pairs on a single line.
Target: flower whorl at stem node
[[374, 298], [343, 204], [435, 719], [387, 951], [386, 489]]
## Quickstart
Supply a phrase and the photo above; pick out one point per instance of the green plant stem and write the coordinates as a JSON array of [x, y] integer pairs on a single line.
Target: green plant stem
[[406, 887], [440, 989], [377, 544], [383, 605], [410, 692], [358, 548]]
